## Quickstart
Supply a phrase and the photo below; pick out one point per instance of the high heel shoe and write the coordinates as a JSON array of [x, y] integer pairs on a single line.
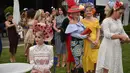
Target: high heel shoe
[[12, 60], [63, 64]]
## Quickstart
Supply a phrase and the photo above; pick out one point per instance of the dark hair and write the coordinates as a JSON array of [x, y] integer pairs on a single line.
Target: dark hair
[[64, 11], [30, 13], [122, 7], [111, 12]]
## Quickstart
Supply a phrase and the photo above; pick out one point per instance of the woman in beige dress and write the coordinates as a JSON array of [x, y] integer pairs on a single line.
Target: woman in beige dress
[[29, 37]]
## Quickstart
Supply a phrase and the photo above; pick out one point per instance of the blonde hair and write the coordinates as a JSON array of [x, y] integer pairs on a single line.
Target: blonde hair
[[40, 33], [38, 15]]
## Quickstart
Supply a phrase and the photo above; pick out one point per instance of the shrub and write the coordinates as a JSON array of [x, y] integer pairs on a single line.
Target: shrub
[[8, 9]]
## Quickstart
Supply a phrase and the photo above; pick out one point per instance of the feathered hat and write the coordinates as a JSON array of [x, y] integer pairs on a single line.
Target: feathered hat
[[73, 7]]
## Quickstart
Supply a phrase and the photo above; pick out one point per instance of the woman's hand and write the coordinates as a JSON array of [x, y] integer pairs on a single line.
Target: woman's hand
[[128, 40], [59, 31], [123, 38], [96, 42]]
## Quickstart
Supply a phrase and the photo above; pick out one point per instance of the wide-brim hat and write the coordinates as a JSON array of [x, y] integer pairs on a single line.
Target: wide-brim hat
[[75, 9], [46, 29]]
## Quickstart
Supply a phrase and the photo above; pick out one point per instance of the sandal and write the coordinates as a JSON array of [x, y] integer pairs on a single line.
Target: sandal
[[12, 60], [63, 64]]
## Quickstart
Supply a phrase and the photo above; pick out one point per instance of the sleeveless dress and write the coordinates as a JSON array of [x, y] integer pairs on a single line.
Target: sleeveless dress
[[60, 46], [13, 39], [29, 37]]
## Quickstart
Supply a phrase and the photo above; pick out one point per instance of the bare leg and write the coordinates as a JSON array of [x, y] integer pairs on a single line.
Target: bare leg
[[94, 68], [68, 67], [27, 51], [63, 60], [58, 64]]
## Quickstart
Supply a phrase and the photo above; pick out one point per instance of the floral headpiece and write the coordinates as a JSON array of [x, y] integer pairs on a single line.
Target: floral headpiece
[[46, 29], [117, 5], [90, 4]]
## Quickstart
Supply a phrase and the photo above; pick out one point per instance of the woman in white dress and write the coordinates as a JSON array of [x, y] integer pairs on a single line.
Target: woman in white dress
[[110, 51], [41, 55]]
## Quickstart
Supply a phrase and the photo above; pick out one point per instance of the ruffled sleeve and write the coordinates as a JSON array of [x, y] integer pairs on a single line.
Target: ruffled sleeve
[[97, 24], [71, 28]]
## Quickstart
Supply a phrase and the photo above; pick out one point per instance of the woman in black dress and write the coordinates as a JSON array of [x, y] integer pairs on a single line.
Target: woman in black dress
[[12, 36]]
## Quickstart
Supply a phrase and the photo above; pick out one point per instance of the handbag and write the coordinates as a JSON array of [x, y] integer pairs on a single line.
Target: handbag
[[78, 70]]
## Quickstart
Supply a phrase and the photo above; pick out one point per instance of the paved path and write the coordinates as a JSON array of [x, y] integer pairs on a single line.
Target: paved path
[[5, 42]]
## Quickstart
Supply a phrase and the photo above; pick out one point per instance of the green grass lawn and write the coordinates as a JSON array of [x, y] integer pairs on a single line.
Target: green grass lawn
[[21, 58]]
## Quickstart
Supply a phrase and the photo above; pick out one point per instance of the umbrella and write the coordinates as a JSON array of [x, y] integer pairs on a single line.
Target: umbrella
[[16, 12]]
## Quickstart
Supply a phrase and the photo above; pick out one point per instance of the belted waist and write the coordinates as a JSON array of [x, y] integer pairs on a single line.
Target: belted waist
[[76, 39]]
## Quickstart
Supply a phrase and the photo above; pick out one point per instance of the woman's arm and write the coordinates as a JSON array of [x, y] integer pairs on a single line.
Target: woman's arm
[[106, 30], [98, 37], [98, 34], [110, 35], [8, 24], [54, 26]]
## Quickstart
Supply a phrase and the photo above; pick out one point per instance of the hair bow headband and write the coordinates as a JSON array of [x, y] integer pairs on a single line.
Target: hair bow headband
[[89, 4]]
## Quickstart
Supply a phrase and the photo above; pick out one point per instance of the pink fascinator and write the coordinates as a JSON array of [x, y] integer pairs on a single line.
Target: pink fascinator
[[46, 29], [117, 5]]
